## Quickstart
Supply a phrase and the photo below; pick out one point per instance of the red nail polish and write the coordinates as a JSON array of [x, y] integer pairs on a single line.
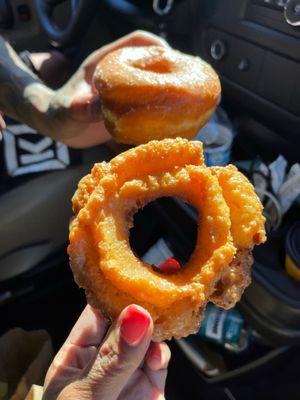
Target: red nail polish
[[169, 265], [134, 325], [155, 353], [154, 358]]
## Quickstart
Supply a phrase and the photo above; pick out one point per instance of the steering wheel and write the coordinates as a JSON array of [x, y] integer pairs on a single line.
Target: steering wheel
[[81, 15]]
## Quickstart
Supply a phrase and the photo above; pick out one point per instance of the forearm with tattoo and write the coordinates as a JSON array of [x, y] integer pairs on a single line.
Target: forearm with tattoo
[[72, 113], [22, 95]]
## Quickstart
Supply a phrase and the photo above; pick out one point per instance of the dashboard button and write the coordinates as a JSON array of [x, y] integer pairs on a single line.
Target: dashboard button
[[281, 3], [292, 12], [218, 50], [244, 64]]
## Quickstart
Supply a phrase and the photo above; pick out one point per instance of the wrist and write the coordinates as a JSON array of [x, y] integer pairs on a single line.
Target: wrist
[[38, 96], [25, 57]]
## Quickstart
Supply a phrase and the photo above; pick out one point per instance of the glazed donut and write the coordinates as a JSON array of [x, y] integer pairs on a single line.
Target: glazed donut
[[104, 264], [155, 93]]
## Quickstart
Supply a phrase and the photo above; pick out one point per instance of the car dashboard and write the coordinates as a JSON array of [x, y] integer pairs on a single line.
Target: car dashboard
[[256, 52], [251, 45]]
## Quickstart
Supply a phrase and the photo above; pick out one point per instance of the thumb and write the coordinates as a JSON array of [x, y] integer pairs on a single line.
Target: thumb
[[121, 353], [86, 108], [136, 38]]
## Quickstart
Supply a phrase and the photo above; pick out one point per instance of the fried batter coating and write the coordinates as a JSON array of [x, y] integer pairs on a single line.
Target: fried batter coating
[[231, 286], [113, 276], [247, 221], [247, 229], [154, 93]]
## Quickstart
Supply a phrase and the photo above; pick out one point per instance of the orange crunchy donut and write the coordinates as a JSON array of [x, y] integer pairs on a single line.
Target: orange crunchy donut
[[247, 229], [155, 93], [106, 267]]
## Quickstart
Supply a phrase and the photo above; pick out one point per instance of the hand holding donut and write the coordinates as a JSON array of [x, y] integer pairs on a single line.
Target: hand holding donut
[[155, 92], [142, 88], [113, 276], [119, 364], [75, 109]]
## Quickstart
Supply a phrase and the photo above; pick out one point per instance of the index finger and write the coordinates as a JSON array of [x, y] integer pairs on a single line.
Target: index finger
[[138, 38], [89, 329], [81, 344]]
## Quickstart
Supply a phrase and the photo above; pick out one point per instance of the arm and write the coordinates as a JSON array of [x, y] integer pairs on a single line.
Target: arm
[[71, 114], [22, 95]]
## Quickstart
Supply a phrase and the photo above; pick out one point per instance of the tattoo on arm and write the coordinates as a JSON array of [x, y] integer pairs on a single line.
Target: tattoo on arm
[[22, 95]]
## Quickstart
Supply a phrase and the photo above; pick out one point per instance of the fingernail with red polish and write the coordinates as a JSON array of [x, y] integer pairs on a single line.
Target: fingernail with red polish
[[134, 325], [155, 356], [169, 265]]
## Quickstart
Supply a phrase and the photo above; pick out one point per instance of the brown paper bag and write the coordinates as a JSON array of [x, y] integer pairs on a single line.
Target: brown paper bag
[[24, 359]]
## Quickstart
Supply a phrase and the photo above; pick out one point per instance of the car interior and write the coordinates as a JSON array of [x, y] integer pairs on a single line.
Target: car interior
[[254, 45]]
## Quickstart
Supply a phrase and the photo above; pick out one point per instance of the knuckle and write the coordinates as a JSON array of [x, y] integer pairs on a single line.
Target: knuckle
[[137, 32], [109, 363], [109, 356], [110, 359], [56, 364]]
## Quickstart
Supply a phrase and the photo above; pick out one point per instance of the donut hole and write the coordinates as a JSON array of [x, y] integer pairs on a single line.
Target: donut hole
[[162, 229], [158, 65]]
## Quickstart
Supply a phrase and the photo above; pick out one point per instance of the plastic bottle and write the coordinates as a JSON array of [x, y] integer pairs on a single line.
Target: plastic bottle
[[226, 328]]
